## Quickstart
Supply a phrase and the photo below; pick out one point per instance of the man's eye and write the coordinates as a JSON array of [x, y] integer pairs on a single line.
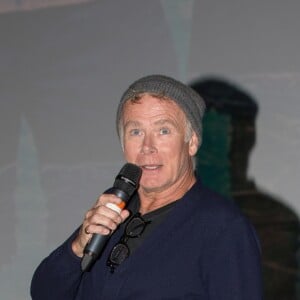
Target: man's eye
[[135, 132], [164, 131]]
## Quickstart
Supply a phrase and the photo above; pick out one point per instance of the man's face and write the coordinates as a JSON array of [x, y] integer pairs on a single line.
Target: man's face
[[154, 139]]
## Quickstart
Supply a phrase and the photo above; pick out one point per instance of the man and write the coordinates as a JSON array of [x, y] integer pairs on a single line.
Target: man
[[184, 241]]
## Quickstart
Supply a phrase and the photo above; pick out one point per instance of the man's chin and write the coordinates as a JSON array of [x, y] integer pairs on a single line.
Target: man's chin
[[152, 188]]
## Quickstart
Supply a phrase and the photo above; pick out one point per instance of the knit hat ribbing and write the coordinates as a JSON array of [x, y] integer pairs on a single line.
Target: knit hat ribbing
[[186, 98]]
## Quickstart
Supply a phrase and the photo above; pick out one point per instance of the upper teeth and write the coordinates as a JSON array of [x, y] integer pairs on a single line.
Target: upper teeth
[[151, 167]]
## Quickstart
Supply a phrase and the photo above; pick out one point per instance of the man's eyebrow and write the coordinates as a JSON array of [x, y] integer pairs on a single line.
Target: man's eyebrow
[[163, 121], [160, 122], [131, 124], [166, 122]]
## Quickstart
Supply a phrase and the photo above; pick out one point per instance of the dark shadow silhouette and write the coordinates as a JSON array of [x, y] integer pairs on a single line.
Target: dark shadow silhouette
[[222, 162]]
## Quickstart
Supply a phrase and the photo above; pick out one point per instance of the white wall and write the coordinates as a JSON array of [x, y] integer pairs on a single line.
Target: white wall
[[63, 71]]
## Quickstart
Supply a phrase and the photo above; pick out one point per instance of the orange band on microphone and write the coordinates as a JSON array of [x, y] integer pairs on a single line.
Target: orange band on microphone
[[121, 204]]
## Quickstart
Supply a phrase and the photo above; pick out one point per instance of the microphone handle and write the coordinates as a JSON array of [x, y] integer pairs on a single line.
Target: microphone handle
[[98, 241], [90, 257]]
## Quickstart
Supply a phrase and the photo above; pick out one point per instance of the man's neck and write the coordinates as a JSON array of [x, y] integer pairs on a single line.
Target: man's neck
[[151, 200]]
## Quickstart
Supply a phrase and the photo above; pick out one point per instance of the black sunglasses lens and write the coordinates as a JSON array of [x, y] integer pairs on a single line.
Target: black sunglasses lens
[[119, 253], [135, 227]]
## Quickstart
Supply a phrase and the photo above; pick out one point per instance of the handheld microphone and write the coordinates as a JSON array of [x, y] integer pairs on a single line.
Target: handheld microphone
[[126, 183]]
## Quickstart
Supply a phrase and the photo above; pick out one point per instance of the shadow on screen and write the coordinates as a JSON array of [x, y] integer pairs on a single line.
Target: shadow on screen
[[222, 162]]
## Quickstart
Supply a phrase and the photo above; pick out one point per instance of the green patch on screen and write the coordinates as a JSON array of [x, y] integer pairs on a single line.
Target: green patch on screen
[[213, 157]]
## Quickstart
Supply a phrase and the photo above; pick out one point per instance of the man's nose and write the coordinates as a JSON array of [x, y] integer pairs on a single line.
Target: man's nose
[[148, 146]]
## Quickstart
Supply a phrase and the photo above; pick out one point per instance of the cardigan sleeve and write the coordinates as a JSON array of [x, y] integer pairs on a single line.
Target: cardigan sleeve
[[58, 276], [234, 264]]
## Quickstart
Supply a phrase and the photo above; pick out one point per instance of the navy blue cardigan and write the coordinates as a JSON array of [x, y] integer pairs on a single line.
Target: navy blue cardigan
[[204, 249]]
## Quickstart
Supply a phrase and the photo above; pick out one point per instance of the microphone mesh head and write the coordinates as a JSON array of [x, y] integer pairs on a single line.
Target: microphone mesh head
[[131, 172], [128, 178]]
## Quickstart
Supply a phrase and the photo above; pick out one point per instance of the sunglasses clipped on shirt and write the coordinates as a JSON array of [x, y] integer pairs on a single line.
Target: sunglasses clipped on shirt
[[133, 229]]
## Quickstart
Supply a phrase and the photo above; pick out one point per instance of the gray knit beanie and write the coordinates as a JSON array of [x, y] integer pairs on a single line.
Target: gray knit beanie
[[187, 99]]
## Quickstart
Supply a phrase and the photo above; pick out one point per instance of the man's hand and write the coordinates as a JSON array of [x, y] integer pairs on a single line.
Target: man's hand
[[99, 219]]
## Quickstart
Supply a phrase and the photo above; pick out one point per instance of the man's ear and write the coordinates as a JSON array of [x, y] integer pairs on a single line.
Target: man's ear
[[193, 144]]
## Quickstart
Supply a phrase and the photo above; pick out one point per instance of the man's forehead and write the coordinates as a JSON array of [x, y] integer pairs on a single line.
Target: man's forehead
[[158, 122], [147, 98]]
